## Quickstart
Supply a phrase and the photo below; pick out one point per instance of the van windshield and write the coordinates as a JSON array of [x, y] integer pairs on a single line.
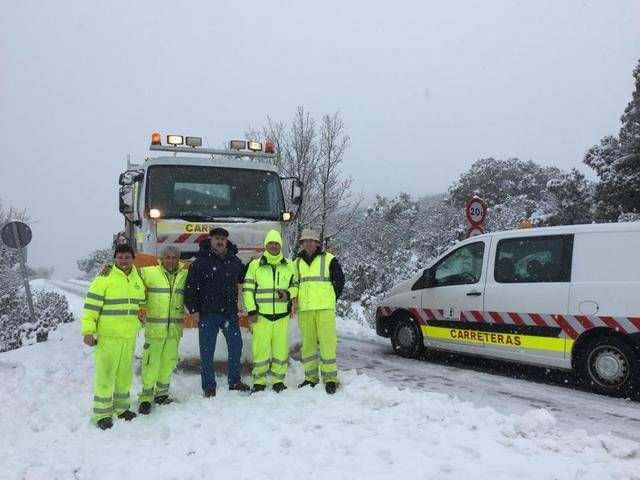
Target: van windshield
[[203, 193]]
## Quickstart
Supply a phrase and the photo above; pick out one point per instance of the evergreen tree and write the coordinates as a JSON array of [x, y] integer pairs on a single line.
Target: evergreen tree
[[616, 160], [92, 264], [571, 195], [495, 181]]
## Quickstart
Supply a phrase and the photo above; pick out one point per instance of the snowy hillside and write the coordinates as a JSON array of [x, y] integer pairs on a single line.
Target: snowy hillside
[[367, 430]]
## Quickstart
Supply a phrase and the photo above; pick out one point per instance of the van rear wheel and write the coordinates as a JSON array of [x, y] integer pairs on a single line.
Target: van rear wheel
[[609, 366], [406, 338]]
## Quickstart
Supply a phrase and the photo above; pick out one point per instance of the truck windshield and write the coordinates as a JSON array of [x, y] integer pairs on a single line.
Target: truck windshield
[[203, 193]]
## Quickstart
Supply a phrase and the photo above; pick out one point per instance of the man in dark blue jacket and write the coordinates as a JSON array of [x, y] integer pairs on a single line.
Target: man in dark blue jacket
[[211, 296]]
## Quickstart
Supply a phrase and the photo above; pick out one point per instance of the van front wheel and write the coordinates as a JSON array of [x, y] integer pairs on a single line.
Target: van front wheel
[[609, 366], [407, 338]]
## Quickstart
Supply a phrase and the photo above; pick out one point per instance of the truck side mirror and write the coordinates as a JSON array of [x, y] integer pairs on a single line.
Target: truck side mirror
[[130, 177], [296, 192], [125, 200]]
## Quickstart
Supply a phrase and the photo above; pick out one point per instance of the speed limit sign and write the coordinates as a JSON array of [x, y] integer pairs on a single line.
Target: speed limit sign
[[476, 211]]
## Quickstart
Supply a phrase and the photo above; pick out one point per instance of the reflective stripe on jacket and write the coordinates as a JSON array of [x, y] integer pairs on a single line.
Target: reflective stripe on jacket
[[165, 301], [261, 284], [112, 304], [316, 291]]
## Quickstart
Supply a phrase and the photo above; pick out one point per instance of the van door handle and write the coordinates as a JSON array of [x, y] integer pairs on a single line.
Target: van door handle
[[474, 293]]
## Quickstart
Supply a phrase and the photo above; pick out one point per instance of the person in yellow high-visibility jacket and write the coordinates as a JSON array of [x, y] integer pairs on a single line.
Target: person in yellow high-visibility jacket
[[321, 282], [110, 323], [270, 284], [162, 327]]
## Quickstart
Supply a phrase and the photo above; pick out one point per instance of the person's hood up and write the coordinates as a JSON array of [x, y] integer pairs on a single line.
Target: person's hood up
[[273, 236]]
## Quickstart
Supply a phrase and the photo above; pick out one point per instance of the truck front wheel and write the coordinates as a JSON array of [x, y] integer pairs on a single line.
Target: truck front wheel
[[609, 366], [406, 338]]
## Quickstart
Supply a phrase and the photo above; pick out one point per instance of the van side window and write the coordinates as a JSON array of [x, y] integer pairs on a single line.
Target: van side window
[[534, 259], [462, 266]]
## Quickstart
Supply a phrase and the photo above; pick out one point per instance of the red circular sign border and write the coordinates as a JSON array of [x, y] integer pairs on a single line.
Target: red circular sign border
[[484, 211], [474, 227]]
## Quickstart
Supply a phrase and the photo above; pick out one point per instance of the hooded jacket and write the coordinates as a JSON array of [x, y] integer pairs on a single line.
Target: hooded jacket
[[266, 277], [212, 281]]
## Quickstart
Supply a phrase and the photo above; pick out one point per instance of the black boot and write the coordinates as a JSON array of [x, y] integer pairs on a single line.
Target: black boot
[[240, 387], [279, 387], [105, 423], [331, 387], [144, 408], [163, 400], [127, 415], [307, 382], [258, 388], [210, 392]]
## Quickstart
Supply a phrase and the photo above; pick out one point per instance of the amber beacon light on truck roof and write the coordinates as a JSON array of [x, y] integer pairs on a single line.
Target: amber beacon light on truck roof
[[237, 148]]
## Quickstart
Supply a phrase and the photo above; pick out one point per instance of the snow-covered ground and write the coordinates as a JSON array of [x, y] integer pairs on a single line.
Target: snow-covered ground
[[369, 429]]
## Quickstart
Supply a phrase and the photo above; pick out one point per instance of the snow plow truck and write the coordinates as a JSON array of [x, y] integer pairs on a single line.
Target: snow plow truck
[[177, 197]]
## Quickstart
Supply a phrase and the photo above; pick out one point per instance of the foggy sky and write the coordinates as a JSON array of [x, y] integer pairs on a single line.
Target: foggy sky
[[424, 88]]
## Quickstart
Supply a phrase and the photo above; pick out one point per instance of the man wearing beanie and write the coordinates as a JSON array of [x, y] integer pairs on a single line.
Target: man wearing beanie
[[270, 284]]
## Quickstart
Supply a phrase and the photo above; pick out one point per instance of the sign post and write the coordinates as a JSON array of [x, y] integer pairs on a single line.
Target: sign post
[[18, 235], [476, 212]]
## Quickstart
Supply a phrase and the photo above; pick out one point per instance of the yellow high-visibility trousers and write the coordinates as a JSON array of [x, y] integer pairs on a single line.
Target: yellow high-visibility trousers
[[270, 348], [114, 376], [159, 360], [318, 332]]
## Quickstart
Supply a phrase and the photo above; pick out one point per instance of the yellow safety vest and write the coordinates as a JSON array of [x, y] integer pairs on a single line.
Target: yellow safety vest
[[261, 284], [316, 290], [112, 304], [165, 301]]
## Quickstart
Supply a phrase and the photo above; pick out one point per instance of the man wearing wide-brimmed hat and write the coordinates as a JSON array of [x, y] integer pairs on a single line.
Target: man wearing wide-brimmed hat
[[321, 281]]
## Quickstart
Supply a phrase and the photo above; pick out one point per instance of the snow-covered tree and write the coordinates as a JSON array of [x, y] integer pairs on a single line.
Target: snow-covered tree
[[378, 248], [17, 328], [9, 276], [315, 156], [495, 181], [92, 264], [572, 197], [616, 160]]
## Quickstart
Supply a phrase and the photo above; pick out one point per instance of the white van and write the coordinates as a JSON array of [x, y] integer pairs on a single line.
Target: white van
[[565, 297]]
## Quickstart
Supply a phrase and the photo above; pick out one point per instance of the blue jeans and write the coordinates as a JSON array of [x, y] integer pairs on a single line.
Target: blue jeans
[[208, 327]]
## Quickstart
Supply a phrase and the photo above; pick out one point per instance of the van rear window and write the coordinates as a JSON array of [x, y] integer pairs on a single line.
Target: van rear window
[[534, 259]]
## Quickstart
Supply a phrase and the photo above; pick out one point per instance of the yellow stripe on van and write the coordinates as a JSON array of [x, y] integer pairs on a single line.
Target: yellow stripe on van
[[502, 339]]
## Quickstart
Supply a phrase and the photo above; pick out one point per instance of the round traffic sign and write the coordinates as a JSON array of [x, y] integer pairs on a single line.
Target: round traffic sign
[[16, 234], [476, 211], [474, 230]]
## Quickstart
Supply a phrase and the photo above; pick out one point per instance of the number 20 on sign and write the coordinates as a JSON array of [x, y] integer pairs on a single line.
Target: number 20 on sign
[[476, 212]]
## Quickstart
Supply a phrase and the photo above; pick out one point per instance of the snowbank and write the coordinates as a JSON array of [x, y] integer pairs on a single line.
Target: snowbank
[[367, 430]]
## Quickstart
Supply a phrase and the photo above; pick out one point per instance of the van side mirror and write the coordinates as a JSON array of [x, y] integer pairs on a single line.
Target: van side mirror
[[424, 281]]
